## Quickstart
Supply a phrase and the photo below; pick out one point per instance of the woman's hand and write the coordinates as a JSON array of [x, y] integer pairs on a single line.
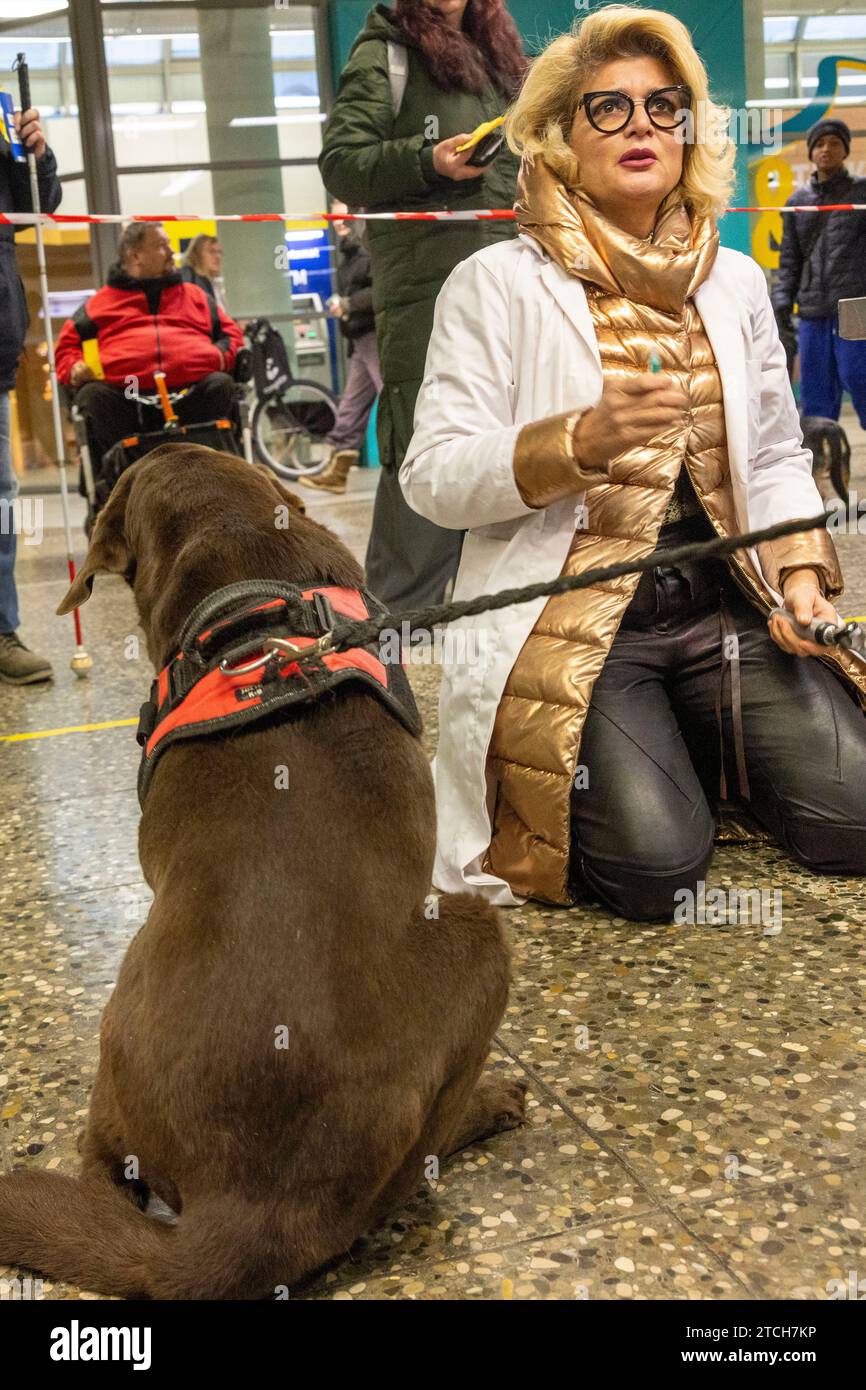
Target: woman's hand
[[631, 412], [451, 165], [803, 598]]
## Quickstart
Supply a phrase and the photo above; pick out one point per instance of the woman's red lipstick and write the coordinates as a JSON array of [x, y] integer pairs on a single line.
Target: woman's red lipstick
[[638, 158]]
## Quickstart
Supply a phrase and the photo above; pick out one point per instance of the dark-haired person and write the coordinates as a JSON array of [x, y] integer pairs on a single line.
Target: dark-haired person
[[420, 78], [144, 320], [352, 306], [823, 260]]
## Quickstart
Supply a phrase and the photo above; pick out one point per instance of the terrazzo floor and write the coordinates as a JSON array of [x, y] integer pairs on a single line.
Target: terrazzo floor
[[697, 1094]]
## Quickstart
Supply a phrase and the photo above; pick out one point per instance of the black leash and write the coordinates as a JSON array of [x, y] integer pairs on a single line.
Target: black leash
[[360, 633]]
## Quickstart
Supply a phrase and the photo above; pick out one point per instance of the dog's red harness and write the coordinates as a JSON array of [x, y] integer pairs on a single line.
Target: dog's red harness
[[235, 665]]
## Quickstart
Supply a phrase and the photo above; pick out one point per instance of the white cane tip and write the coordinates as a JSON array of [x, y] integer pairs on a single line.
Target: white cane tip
[[81, 664]]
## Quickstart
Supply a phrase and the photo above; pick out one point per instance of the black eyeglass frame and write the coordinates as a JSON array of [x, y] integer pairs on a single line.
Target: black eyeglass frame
[[641, 101]]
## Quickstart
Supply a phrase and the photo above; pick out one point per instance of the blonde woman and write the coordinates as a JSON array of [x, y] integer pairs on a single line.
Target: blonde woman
[[203, 264], [585, 752]]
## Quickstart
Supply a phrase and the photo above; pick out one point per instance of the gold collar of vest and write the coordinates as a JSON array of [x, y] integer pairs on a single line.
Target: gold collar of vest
[[663, 272]]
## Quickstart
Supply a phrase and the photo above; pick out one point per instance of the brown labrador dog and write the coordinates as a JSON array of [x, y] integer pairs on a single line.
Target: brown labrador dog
[[296, 1029]]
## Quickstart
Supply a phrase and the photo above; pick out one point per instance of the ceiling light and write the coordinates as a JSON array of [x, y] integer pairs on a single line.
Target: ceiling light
[[30, 9], [180, 183], [282, 118]]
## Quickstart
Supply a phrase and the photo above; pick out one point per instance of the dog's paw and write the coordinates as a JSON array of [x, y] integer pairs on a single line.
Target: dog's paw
[[507, 1104]]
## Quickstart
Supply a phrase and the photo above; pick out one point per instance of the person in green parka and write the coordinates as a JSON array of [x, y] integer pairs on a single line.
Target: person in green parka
[[419, 80]]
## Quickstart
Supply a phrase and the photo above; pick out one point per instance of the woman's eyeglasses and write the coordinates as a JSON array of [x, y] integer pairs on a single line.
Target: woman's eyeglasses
[[612, 111]]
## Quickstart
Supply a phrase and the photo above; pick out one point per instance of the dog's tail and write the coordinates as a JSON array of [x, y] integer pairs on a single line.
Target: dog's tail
[[86, 1232], [829, 444]]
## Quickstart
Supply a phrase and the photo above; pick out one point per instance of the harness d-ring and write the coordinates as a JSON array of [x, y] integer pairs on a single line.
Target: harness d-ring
[[229, 670]]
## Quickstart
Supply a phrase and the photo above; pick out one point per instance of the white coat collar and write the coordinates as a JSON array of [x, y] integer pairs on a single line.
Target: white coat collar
[[569, 294]]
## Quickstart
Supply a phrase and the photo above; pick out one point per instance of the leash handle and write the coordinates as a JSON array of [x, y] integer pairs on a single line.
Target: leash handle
[[826, 634]]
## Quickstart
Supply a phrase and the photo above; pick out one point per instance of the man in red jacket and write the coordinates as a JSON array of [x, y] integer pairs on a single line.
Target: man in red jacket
[[144, 320]]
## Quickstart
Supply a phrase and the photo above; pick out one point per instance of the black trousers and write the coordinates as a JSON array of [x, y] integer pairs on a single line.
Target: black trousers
[[111, 415], [410, 561], [662, 724]]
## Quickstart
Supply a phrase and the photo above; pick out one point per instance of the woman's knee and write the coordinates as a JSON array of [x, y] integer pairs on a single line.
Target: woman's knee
[[648, 892], [828, 847]]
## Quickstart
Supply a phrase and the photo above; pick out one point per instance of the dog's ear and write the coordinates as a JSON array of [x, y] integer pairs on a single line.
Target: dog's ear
[[109, 551], [282, 492]]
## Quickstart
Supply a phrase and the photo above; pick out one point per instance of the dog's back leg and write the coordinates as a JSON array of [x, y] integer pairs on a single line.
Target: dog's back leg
[[496, 1104], [458, 968], [105, 1151]]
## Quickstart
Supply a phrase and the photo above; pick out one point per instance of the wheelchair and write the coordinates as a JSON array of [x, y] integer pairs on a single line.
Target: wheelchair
[[292, 416], [100, 471]]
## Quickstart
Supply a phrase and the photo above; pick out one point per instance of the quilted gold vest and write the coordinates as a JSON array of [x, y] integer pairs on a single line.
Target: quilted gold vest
[[639, 296]]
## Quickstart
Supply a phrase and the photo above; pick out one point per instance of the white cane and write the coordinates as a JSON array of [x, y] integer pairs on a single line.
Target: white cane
[[81, 662]]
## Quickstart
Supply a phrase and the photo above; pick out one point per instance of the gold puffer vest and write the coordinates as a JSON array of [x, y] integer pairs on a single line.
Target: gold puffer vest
[[639, 296]]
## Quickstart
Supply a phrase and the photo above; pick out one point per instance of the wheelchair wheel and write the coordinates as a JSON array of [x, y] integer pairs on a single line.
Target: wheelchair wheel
[[289, 431]]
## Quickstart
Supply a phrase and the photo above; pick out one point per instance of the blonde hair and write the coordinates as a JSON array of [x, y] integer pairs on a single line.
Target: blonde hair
[[539, 123], [194, 254]]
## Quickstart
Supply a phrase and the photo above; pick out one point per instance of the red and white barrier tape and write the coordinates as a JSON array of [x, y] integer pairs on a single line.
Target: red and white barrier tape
[[26, 219]]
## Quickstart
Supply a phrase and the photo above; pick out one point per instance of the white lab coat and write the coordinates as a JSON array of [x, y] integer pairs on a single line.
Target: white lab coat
[[512, 342]]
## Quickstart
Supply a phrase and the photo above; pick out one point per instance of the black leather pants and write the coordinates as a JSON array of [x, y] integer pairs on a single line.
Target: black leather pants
[[693, 686]]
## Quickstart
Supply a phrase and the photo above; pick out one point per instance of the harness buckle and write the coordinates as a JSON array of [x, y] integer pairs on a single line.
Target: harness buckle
[[147, 718]]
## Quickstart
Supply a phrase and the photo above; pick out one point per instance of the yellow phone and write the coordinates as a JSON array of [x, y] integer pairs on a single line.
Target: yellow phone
[[485, 142], [479, 132]]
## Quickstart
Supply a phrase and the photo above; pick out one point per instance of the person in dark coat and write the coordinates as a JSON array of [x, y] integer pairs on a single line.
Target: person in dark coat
[[352, 305], [420, 78], [18, 665], [823, 260]]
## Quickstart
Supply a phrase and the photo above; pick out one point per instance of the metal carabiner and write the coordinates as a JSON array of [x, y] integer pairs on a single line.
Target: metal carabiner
[[279, 646], [275, 647]]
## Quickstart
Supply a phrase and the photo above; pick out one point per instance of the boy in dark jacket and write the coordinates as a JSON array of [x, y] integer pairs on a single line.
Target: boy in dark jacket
[[144, 320], [823, 260], [18, 665], [353, 306]]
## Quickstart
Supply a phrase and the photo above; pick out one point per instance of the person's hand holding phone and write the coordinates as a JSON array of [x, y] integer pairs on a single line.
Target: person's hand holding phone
[[451, 165]]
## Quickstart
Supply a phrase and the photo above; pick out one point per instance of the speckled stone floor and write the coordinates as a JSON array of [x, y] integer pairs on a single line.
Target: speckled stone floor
[[696, 1093]]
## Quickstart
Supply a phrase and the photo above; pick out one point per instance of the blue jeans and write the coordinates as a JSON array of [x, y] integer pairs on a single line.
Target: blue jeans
[[830, 365], [8, 493]]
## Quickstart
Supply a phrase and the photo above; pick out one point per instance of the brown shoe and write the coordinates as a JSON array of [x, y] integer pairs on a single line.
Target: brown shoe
[[333, 476], [20, 666]]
